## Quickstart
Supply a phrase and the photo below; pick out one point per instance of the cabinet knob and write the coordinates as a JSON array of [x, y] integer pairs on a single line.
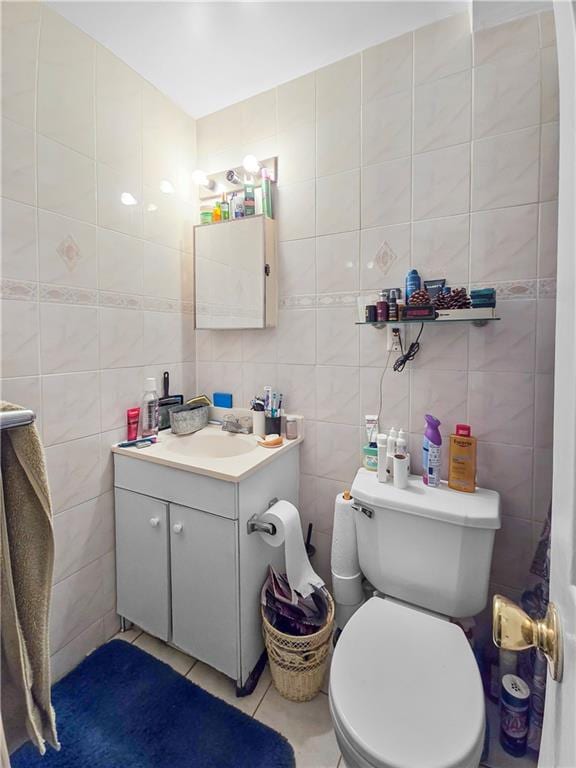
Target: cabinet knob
[[154, 522], [177, 527]]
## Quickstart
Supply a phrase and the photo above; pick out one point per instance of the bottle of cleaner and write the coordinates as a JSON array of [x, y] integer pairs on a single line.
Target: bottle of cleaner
[[382, 457], [431, 452], [462, 463], [149, 410]]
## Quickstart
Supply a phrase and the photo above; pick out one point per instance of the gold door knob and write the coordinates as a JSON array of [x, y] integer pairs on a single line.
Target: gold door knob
[[514, 630]]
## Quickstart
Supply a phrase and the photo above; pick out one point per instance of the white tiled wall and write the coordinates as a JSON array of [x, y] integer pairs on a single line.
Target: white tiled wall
[[444, 150], [431, 150], [96, 295]]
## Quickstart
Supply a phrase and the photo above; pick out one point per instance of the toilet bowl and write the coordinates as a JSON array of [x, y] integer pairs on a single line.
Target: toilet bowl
[[405, 691]]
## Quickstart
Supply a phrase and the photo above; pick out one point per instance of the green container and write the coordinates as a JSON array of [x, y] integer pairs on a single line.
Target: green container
[[370, 458]]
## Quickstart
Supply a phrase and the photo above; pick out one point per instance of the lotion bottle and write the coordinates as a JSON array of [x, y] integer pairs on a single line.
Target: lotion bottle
[[382, 458], [462, 463]]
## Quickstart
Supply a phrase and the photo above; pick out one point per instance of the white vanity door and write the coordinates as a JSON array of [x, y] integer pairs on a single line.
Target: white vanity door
[[204, 587], [142, 570]]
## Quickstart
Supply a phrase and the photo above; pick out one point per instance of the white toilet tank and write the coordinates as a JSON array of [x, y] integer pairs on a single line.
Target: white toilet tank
[[430, 547]]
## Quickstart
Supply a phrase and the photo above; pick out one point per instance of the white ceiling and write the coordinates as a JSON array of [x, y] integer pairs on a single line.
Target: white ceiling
[[208, 55]]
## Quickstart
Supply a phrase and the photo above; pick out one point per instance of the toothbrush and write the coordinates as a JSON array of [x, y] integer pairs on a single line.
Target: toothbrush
[[139, 441]]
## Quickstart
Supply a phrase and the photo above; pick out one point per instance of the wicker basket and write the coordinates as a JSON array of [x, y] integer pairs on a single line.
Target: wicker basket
[[298, 664]]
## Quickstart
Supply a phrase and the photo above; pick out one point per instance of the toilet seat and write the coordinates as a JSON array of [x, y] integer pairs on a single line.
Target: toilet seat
[[405, 690]]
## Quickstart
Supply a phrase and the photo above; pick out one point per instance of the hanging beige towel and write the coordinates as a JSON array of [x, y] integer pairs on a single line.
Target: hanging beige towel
[[26, 564]]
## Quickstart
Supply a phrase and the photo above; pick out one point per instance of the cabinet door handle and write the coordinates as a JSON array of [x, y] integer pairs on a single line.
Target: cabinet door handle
[[154, 522], [177, 527]]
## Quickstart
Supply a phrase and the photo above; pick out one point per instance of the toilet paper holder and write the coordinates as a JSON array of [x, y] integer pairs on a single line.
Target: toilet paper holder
[[255, 525]]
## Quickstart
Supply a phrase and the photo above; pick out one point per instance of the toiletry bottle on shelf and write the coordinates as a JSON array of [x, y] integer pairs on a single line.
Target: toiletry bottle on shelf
[[413, 283], [237, 206], [382, 454], [225, 208], [382, 308], [216, 212], [266, 193], [431, 452], [249, 205], [149, 410], [392, 306], [462, 462]]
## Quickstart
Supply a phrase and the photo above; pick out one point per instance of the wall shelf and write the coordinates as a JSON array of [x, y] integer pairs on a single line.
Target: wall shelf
[[478, 322]]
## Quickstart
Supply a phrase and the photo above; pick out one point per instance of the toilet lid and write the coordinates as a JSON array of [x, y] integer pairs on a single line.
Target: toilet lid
[[405, 689]]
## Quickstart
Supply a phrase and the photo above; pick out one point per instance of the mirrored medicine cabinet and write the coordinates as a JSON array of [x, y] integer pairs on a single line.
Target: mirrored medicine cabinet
[[236, 274]]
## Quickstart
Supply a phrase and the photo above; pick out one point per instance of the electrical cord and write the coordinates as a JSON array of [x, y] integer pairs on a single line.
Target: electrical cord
[[410, 354], [381, 403]]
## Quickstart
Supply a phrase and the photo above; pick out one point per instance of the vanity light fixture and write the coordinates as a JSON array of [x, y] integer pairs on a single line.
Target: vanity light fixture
[[126, 198], [251, 164], [151, 207], [200, 178]]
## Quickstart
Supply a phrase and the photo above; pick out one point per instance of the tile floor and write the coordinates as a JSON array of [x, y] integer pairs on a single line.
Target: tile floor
[[307, 726]]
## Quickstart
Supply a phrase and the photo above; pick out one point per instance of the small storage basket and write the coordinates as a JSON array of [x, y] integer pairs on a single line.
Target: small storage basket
[[298, 663], [184, 419]]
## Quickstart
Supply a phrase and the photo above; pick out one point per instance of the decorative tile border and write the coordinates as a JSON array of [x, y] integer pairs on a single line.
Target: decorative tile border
[[64, 294], [121, 300], [505, 291], [161, 305], [547, 288], [25, 290], [513, 289], [187, 307], [21, 290]]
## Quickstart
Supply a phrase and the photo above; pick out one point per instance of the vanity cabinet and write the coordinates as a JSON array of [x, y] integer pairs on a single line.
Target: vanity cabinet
[[188, 571], [204, 586], [142, 561]]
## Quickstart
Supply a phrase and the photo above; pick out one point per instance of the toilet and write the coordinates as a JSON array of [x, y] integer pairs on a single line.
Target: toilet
[[405, 689]]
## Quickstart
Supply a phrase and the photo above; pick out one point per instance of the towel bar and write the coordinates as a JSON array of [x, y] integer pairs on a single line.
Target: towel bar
[[10, 419]]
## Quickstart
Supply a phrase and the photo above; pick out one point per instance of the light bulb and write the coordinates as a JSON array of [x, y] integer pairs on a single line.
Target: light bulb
[[200, 178], [251, 164], [128, 199], [151, 207], [166, 187]]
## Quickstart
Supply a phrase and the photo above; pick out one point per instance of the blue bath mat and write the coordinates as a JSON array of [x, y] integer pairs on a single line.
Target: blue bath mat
[[122, 708]]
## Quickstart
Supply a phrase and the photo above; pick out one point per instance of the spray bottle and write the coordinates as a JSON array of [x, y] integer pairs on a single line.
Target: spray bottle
[[431, 452]]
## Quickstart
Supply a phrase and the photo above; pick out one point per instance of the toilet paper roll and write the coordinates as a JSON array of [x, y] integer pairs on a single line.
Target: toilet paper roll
[[347, 590], [299, 572], [344, 558]]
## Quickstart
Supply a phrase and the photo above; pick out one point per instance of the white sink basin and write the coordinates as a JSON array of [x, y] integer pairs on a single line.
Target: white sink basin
[[212, 444]]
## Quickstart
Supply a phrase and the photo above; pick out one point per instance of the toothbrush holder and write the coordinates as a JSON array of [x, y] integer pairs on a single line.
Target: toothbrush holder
[[259, 423], [273, 425]]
